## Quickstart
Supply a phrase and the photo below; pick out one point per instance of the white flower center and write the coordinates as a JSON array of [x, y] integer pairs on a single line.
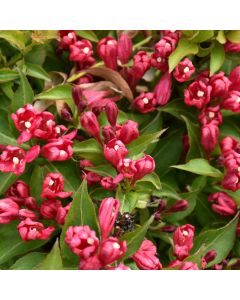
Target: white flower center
[[159, 59], [116, 147], [49, 122], [110, 42], [172, 31], [145, 100], [211, 115], [70, 35], [186, 70], [27, 124], [238, 100], [116, 246], [90, 241], [126, 164], [62, 153], [58, 130], [51, 182], [185, 233], [15, 160], [200, 93], [86, 50], [239, 169]]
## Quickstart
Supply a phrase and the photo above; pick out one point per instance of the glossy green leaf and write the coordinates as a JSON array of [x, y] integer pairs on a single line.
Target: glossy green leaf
[[217, 57], [29, 261], [221, 240], [36, 182], [200, 166], [153, 178], [88, 34], [7, 75], [103, 170], [202, 36], [60, 92], [184, 48], [37, 71], [221, 37], [53, 260], [15, 37]]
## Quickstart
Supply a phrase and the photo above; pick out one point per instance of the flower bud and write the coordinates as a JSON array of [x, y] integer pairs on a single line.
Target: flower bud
[[81, 240], [119, 267], [184, 70], [209, 136], [107, 215], [144, 166], [107, 50], [234, 77], [127, 132], [232, 101], [90, 123], [127, 167], [188, 265], [80, 51], [8, 210], [111, 110], [62, 213], [180, 205], [114, 151], [49, 208], [223, 204], [111, 250], [168, 229], [124, 48], [210, 256], [231, 181], [109, 183], [26, 213], [220, 85], [145, 258], [18, 191], [31, 203], [141, 63], [183, 241], [108, 133], [90, 263], [163, 89]]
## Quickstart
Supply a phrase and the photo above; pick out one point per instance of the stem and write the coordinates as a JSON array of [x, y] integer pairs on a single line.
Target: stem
[[143, 42]]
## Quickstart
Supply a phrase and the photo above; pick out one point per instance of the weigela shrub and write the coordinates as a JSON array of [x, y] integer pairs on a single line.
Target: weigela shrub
[[119, 150]]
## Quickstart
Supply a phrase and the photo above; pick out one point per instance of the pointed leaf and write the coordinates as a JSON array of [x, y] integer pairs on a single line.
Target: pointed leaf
[[217, 57], [7, 75], [53, 261]]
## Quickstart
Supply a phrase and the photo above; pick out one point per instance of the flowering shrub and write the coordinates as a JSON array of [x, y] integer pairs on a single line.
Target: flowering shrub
[[119, 150]]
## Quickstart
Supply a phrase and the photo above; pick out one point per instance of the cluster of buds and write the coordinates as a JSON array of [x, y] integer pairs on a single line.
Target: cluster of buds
[[80, 50], [223, 204], [230, 158]]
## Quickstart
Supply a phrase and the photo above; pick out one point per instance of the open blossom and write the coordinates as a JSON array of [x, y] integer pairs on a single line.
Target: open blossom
[[80, 51], [163, 89], [145, 102], [127, 132], [232, 101], [210, 114], [26, 120], [49, 208], [18, 192], [223, 204], [127, 167], [111, 250], [228, 144], [14, 159], [145, 258], [231, 181], [57, 149], [82, 240], [67, 38], [110, 183], [107, 215], [114, 151], [31, 230], [183, 241], [8, 210], [220, 85], [107, 50], [197, 94], [53, 186], [184, 70]]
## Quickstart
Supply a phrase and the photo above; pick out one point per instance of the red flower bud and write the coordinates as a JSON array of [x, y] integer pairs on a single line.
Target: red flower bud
[[109, 183], [145, 102], [209, 136], [220, 85], [163, 89], [183, 241], [78, 98], [111, 110], [107, 215], [111, 250], [184, 70], [231, 181], [188, 265], [18, 191], [127, 132], [141, 63], [26, 213], [31, 230], [90, 123], [180, 205], [31, 203], [119, 267], [144, 166], [197, 94], [108, 133], [124, 48], [90, 263], [229, 143], [234, 77], [231, 47], [107, 50], [81, 240], [62, 213], [223, 204], [49, 208], [92, 178], [80, 51], [53, 186], [127, 167], [232, 101], [8, 210], [58, 150], [145, 258], [114, 151]]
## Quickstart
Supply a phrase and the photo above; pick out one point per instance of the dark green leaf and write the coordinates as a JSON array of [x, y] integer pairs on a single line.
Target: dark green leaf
[[29, 261], [103, 170], [217, 57], [88, 34], [6, 180], [36, 182], [53, 260]]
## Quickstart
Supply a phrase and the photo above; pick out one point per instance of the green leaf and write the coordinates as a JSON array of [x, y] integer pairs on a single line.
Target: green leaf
[[217, 57], [184, 48], [11, 244], [37, 71], [60, 92], [82, 212], [53, 261], [15, 37], [153, 178], [221, 240], [234, 36], [36, 182], [221, 37], [195, 149], [165, 158], [87, 34], [29, 261], [204, 212], [6, 180], [200, 166], [202, 36], [7, 89], [103, 170], [134, 239], [89, 149], [7, 75], [141, 144], [24, 93], [128, 200]]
